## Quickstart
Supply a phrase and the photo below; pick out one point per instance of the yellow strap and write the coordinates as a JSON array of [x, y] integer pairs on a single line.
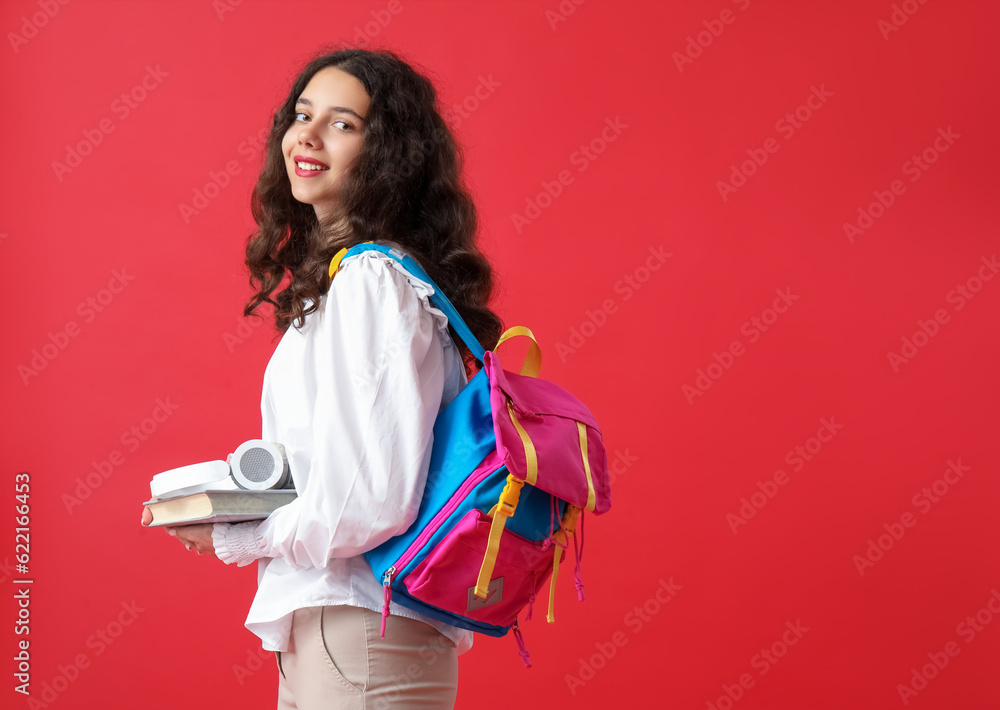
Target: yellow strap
[[501, 511], [335, 263], [339, 257], [530, 456], [591, 496], [561, 536], [569, 520], [552, 587], [490, 560], [532, 364]]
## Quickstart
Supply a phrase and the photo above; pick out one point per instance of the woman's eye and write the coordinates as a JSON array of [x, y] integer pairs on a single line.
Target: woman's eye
[[347, 126]]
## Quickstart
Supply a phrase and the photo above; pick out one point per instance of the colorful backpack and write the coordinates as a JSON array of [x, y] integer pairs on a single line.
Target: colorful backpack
[[515, 462]]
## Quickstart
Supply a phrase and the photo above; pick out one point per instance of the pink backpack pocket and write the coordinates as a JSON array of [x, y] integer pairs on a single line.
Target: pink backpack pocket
[[446, 577]]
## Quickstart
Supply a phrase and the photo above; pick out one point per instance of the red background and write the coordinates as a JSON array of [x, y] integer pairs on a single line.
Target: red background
[[169, 334]]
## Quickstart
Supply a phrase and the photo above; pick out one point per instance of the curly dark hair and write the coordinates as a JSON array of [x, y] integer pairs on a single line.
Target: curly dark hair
[[404, 187]]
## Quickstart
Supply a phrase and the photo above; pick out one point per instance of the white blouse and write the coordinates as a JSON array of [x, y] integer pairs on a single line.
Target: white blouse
[[352, 396]]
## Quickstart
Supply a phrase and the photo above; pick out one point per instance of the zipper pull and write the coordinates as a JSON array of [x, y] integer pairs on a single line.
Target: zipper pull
[[386, 581], [579, 558], [520, 644], [531, 599]]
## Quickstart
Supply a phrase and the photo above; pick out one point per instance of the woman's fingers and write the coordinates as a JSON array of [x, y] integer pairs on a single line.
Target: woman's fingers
[[193, 537]]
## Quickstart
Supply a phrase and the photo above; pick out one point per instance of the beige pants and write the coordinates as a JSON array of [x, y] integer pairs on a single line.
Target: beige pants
[[336, 659]]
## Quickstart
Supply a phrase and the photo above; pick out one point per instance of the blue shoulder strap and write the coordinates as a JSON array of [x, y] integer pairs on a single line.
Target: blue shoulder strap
[[437, 298]]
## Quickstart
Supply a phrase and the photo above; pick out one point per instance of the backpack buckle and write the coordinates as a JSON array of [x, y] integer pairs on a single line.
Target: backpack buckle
[[509, 497]]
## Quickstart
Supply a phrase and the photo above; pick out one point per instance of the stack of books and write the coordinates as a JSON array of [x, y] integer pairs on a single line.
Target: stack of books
[[214, 501]]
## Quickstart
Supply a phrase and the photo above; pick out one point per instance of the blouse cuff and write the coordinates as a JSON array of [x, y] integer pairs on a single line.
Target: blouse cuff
[[237, 542]]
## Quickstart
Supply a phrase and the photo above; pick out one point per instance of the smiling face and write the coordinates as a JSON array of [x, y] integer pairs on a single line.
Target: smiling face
[[325, 137]]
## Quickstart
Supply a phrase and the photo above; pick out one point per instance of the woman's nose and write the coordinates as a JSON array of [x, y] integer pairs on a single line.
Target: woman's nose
[[307, 136]]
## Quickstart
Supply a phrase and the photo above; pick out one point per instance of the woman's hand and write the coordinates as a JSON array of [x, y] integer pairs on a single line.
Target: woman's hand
[[194, 537]]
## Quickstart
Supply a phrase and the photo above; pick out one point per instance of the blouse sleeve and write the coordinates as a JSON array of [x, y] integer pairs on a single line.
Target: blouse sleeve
[[378, 366]]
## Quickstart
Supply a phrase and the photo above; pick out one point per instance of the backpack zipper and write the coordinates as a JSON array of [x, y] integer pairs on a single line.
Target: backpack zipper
[[387, 594], [425, 535]]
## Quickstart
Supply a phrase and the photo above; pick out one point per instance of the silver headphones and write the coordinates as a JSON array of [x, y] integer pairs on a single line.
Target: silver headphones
[[256, 465]]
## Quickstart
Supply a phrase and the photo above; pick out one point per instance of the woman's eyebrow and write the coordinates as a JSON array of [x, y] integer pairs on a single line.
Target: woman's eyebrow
[[337, 109]]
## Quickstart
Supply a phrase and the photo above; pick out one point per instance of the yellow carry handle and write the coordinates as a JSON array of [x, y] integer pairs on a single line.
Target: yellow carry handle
[[532, 364]]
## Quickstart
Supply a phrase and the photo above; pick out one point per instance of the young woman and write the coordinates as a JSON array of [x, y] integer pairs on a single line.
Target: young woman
[[357, 152]]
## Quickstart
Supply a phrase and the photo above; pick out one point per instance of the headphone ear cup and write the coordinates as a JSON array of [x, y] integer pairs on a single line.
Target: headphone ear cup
[[177, 481], [260, 466]]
